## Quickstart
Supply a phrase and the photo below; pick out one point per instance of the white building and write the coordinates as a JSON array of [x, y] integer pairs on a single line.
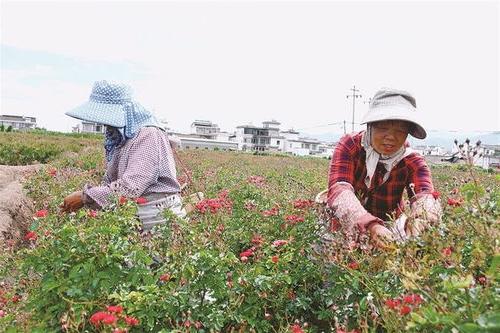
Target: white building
[[325, 150], [193, 141], [429, 150], [89, 127], [302, 146], [18, 122], [488, 156], [270, 138], [259, 138], [265, 138], [205, 129]]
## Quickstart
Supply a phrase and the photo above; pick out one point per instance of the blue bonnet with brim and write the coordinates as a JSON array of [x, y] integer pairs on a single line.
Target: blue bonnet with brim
[[111, 104]]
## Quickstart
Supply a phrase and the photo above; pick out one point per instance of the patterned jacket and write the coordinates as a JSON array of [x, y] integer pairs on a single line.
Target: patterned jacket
[[140, 166]]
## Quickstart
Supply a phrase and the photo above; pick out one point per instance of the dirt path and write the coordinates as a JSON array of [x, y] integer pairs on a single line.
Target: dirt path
[[16, 210]]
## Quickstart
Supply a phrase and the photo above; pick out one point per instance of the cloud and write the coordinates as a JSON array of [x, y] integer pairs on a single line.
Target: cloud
[[235, 63]]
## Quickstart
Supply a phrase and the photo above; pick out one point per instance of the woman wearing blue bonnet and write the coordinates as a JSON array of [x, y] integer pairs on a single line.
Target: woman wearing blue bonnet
[[139, 156]]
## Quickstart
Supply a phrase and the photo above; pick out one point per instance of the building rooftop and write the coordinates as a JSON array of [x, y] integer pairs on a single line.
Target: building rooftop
[[14, 117], [203, 123]]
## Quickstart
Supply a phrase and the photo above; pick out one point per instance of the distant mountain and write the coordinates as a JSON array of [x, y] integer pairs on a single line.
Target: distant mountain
[[434, 138], [445, 138], [326, 137]]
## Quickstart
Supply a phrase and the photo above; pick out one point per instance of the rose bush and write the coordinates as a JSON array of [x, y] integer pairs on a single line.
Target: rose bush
[[244, 259]]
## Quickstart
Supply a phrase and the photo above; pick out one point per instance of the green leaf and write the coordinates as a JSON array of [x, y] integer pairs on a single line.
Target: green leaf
[[494, 267], [418, 318], [469, 328], [431, 315], [491, 322], [471, 189], [456, 282]]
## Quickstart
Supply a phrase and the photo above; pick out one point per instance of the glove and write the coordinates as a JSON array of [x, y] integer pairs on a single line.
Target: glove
[[72, 202], [414, 227], [398, 230]]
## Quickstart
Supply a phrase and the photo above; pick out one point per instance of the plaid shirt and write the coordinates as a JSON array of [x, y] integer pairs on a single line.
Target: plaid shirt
[[381, 200]]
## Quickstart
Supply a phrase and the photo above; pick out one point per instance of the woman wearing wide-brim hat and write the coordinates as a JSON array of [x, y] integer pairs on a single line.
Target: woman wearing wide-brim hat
[[140, 161], [370, 171]]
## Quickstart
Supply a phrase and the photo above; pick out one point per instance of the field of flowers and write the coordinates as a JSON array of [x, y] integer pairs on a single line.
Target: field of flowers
[[243, 260]]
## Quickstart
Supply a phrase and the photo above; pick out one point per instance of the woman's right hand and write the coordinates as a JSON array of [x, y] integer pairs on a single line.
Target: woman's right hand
[[380, 236], [72, 202]]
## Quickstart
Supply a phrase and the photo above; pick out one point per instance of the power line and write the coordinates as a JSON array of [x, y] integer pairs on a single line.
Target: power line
[[353, 96], [324, 125]]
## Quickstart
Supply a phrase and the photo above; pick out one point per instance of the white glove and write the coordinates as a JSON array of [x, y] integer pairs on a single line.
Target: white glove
[[398, 230]]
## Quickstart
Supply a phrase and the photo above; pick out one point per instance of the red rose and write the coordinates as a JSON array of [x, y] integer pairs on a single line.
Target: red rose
[[482, 280], [446, 251], [275, 259], [247, 253], [141, 201], [405, 309], [293, 219], [279, 242], [302, 204], [296, 329], [353, 265], [92, 213], [392, 303], [257, 240], [165, 277], [115, 308], [30, 236], [131, 321], [109, 319], [413, 299], [42, 213], [97, 317]]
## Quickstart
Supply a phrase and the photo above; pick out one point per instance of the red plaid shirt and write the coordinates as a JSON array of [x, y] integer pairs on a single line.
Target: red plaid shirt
[[381, 200]]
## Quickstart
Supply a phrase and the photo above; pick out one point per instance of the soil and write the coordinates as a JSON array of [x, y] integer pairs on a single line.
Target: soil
[[16, 209]]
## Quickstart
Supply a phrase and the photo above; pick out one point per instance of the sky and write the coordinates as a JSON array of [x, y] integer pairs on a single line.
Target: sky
[[242, 62]]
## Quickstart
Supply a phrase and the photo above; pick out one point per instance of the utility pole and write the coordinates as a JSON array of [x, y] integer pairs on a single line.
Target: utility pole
[[344, 128], [353, 96]]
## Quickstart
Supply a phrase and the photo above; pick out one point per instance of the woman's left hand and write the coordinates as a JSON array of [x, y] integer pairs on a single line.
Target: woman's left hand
[[414, 227], [72, 202]]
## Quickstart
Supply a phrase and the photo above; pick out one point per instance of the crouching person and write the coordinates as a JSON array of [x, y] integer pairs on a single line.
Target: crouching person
[[370, 170], [139, 157]]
